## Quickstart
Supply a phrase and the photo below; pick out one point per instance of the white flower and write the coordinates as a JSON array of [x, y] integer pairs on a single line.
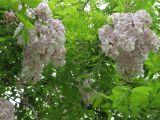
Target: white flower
[[31, 13]]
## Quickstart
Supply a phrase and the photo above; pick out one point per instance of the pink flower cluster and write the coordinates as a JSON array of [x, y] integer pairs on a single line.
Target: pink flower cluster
[[46, 44], [85, 90], [6, 110], [9, 17], [128, 41]]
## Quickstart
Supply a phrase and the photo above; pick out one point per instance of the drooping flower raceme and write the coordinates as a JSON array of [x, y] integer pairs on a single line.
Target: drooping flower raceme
[[9, 17], [43, 11], [6, 110], [86, 92], [128, 40], [46, 44]]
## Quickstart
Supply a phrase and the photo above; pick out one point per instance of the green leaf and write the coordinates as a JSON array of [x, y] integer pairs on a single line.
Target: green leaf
[[124, 109], [139, 98], [31, 3], [120, 7], [143, 90], [156, 102], [52, 3], [2, 39], [98, 99], [9, 4], [25, 21], [155, 85], [118, 93], [25, 35], [153, 63]]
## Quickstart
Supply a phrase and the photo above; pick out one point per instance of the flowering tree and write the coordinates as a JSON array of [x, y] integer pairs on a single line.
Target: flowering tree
[[79, 59]]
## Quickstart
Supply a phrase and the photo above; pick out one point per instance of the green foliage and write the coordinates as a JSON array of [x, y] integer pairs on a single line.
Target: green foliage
[[58, 97], [31, 3], [24, 20], [25, 35], [9, 4], [153, 64]]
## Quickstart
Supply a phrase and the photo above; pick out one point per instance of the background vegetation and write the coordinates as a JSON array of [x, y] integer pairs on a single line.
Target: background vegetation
[[57, 95]]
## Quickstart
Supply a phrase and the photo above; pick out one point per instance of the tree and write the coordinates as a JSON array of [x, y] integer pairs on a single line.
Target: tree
[[88, 86]]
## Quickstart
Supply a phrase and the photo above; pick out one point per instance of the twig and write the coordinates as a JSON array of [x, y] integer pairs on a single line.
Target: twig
[[33, 110], [86, 2], [26, 104]]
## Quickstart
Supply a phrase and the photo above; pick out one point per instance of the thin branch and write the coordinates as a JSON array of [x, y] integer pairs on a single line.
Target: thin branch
[[77, 114], [33, 110], [85, 4], [26, 104]]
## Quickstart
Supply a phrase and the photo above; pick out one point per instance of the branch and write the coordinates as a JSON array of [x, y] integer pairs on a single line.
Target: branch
[[33, 110], [85, 4], [26, 104]]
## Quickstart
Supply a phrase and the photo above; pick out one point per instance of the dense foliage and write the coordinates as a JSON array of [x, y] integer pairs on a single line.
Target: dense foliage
[[87, 87]]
